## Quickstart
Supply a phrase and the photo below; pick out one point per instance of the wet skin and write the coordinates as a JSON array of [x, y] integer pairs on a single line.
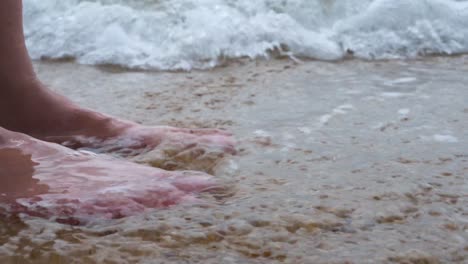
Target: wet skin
[[52, 181]]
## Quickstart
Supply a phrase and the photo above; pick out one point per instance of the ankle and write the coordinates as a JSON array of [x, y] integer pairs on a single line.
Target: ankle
[[6, 136], [2, 137], [29, 107]]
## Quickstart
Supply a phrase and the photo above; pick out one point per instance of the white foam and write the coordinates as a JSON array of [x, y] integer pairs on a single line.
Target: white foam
[[404, 111], [392, 94], [401, 81], [404, 80], [187, 34], [339, 110], [325, 118], [261, 133], [305, 130], [445, 138]]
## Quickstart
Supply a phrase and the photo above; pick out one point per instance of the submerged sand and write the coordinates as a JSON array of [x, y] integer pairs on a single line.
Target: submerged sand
[[350, 162]]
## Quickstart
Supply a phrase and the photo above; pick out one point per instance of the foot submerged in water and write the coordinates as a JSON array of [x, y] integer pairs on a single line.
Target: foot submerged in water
[[51, 117], [48, 180], [164, 147]]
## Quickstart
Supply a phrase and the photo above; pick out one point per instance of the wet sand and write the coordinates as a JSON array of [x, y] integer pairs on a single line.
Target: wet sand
[[350, 162]]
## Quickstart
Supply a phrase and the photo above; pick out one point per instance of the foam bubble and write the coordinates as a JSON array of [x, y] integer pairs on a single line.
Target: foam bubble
[[339, 110], [392, 94], [188, 34], [404, 111], [445, 138]]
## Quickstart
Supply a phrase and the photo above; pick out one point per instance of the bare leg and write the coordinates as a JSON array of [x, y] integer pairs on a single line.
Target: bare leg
[[27, 106], [50, 180]]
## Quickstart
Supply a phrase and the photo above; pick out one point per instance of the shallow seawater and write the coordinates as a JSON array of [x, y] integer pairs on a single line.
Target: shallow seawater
[[350, 162]]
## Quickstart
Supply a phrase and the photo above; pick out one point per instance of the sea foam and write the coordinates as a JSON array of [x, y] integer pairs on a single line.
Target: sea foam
[[200, 34]]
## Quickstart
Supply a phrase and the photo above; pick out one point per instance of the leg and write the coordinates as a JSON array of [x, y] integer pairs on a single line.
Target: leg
[[27, 106], [49, 180]]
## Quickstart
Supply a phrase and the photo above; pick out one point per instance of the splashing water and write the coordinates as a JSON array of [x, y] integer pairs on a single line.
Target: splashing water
[[188, 34]]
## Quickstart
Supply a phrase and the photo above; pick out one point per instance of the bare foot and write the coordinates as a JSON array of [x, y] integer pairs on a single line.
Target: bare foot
[[52, 181], [164, 147], [51, 117], [27, 106]]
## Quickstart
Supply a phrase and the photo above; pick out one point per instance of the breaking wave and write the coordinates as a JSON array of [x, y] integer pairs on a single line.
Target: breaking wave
[[200, 34]]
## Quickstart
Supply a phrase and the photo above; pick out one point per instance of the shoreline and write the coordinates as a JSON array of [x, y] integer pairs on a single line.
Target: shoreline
[[239, 62]]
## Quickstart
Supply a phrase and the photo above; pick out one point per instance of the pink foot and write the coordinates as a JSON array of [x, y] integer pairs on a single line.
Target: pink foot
[[164, 147], [70, 186]]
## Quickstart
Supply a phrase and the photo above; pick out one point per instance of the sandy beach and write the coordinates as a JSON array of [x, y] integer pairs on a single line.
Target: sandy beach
[[347, 162]]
